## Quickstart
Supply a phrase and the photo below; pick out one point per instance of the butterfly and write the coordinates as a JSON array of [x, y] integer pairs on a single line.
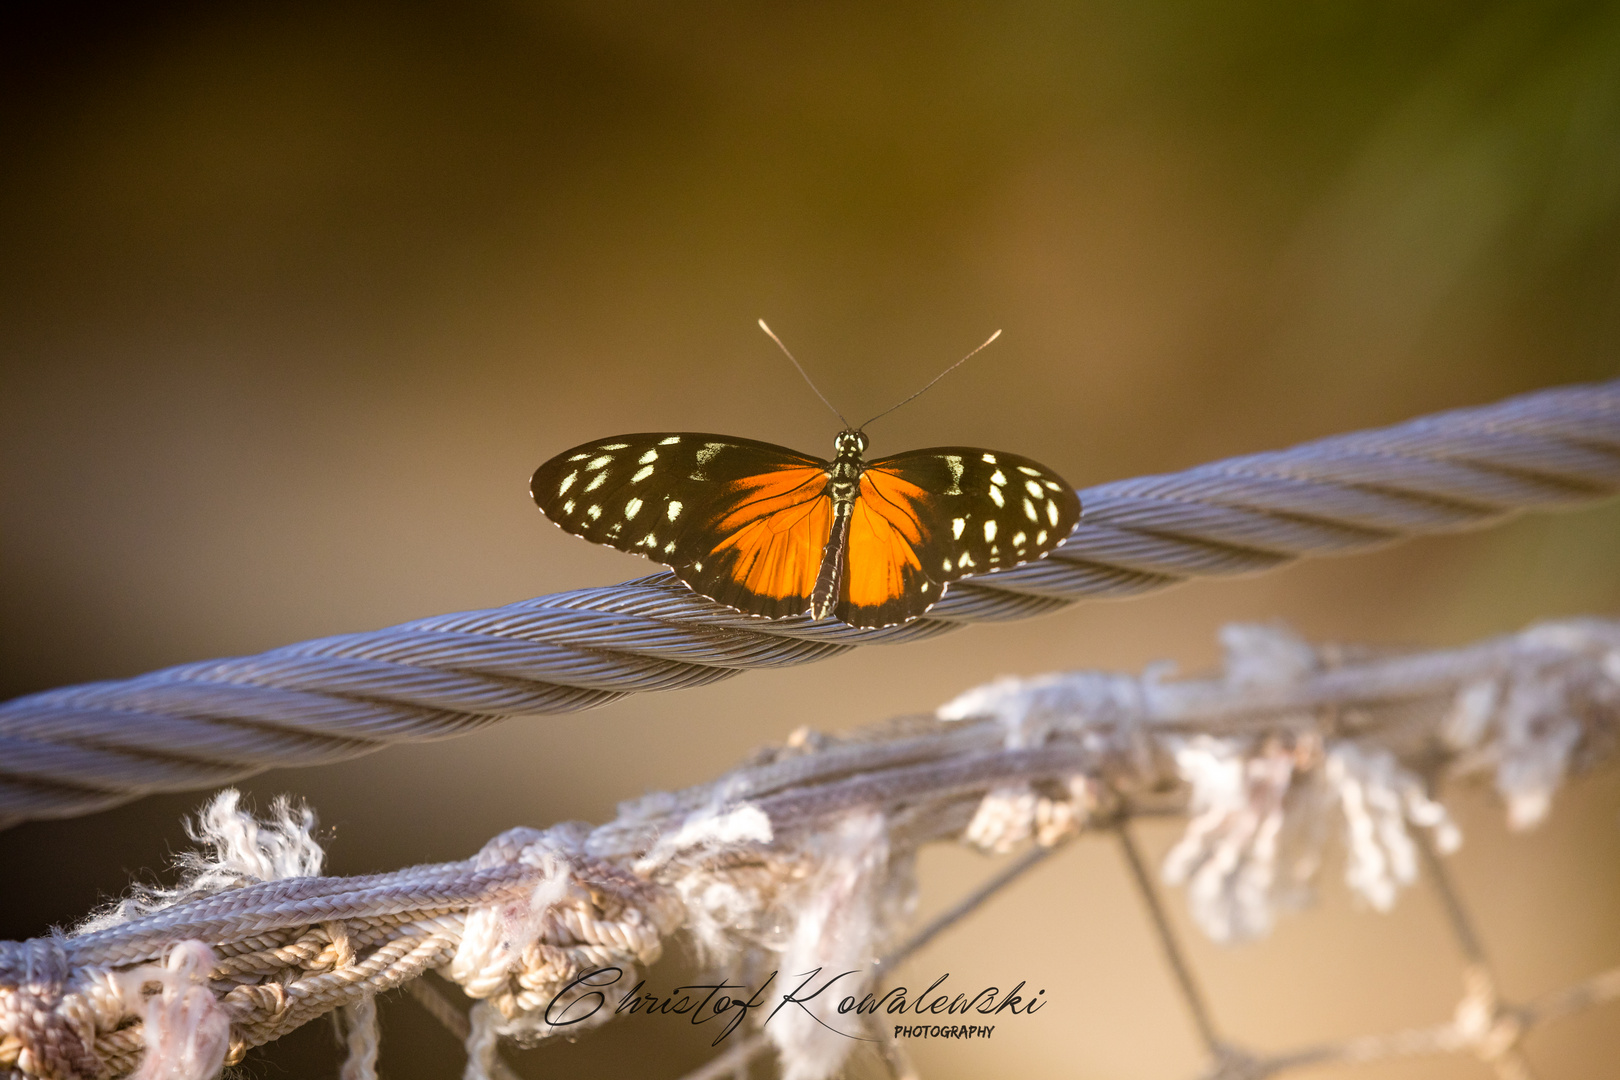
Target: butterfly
[[772, 532]]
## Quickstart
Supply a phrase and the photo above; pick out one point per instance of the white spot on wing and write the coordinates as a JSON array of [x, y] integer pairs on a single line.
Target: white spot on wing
[[998, 478], [568, 507], [706, 455], [989, 530], [954, 464], [1027, 471], [596, 481], [568, 482], [1033, 488], [1052, 513], [651, 455], [598, 462], [1018, 540], [957, 525], [996, 497], [671, 441], [674, 509], [947, 565], [1029, 511], [1040, 537], [632, 508], [642, 473], [593, 512], [967, 560], [989, 459], [614, 446]]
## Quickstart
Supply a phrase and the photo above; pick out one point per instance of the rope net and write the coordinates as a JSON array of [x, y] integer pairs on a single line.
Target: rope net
[[83, 748], [804, 858]]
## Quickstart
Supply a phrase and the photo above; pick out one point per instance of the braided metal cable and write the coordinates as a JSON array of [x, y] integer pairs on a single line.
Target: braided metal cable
[[82, 748]]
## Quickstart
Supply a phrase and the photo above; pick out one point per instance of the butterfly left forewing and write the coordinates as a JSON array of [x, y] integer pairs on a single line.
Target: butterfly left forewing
[[730, 516], [759, 549], [978, 510]]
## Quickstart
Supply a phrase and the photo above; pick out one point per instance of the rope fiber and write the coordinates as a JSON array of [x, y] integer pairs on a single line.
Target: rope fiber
[[84, 748]]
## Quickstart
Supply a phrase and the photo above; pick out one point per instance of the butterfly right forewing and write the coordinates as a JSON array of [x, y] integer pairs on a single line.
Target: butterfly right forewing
[[977, 510]]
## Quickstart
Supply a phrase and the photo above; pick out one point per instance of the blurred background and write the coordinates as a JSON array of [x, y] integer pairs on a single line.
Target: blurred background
[[293, 299]]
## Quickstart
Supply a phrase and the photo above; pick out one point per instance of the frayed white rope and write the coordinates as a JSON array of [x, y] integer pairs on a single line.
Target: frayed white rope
[[836, 938], [495, 936], [237, 849], [483, 1040], [84, 748], [360, 1039], [803, 858], [1228, 857], [185, 1032]]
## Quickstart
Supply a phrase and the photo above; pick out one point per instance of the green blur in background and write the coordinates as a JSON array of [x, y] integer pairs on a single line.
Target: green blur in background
[[294, 299]]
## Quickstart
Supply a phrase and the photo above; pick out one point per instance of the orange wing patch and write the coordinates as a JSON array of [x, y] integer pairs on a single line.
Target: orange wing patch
[[884, 582], [768, 544], [778, 551], [892, 497], [766, 494]]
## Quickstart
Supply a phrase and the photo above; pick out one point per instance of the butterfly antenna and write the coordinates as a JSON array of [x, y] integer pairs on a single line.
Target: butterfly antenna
[[935, 379], [800, 366]]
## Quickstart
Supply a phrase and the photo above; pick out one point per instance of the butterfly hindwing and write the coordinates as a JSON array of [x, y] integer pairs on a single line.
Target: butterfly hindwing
[[884, 579], [942, 514], [740, 521]]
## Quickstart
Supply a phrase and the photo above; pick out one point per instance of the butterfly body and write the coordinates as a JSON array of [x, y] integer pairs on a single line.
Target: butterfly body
[[774, 533], [843, 487]]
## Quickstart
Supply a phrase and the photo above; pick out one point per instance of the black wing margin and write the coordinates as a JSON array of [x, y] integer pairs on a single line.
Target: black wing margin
[[982, 510], [657, 494]]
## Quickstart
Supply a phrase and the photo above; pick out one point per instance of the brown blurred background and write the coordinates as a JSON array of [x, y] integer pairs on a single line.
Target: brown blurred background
[[293, 300]]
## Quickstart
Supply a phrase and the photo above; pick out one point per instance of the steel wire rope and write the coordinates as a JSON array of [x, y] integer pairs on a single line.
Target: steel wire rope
[[82, 748]]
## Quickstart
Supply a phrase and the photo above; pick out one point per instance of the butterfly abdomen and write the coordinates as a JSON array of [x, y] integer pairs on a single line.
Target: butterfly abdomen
[[834, 560]]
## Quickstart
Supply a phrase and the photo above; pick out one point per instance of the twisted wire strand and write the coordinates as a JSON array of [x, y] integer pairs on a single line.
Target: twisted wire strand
[[83, 748]]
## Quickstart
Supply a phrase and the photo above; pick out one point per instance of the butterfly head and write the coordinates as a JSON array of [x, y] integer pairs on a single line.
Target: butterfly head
[[850, 441]]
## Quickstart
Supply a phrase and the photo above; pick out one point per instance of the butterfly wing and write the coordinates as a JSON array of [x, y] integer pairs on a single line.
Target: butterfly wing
[[929, 517], [740, 521]]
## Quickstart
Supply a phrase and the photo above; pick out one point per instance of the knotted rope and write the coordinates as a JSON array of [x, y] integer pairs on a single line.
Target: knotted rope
[[804, 857], [83, 748]]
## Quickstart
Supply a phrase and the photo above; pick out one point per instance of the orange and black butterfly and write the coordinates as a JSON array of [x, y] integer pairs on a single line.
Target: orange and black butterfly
[[773, 532]]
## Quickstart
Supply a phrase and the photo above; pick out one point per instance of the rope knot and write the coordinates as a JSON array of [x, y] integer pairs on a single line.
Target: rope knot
[[39, 1036], [340, 953], [520, 955]]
